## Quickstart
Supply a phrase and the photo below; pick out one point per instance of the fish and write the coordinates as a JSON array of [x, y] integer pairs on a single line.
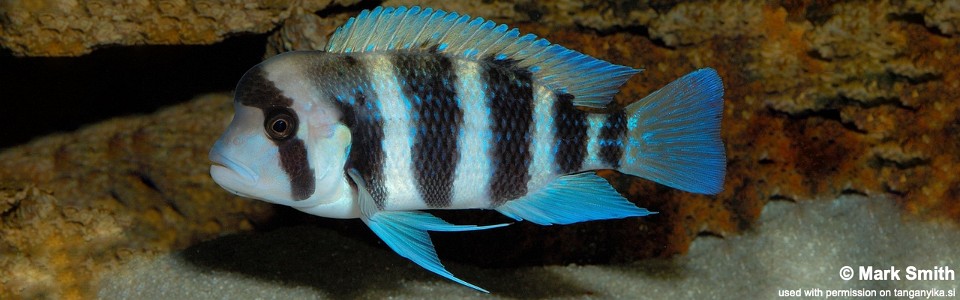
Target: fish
[[415, 109]]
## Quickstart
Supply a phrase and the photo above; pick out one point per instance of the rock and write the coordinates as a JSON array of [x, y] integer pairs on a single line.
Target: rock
[[595, 15], [52, 251], [71, 28], [73, 206], [304, 32]]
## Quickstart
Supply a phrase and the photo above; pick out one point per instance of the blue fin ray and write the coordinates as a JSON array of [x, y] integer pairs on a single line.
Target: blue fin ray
[[414, 244], [674, 134], [571, 199], [406, 231], [591, 81]]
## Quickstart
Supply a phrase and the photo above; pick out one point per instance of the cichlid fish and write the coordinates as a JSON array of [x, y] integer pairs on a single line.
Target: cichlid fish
[[414, 109]]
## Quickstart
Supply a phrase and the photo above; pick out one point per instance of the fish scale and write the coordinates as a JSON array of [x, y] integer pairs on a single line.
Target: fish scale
[[367, 134], [430, 78], [570, 135], [611, 139], [511, 104]]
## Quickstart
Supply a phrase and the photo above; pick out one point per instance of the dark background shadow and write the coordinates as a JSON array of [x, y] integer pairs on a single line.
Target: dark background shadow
[[347, 268], [42, 95]]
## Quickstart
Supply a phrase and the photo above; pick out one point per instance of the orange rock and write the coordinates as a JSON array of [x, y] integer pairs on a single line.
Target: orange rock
[[72, 207], [72, 28]]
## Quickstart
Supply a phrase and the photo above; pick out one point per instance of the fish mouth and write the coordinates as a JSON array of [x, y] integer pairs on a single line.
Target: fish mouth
[[230, 174]]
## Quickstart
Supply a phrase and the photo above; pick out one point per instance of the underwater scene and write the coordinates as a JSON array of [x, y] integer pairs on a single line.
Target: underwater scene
[[605, 149]]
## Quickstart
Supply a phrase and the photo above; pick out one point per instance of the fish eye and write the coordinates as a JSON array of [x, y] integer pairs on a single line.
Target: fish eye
[[281, 123]]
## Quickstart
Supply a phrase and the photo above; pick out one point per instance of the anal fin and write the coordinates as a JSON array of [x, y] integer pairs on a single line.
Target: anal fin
[[571, 199]]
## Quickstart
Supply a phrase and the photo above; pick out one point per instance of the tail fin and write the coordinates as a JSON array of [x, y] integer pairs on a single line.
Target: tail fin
[[674, 135]]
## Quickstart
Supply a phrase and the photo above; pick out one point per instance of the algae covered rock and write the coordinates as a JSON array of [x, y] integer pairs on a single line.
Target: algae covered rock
[[73, 206], [71, 28]]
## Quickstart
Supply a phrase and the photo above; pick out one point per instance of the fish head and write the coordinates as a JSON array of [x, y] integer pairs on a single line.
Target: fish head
[[282, 145]]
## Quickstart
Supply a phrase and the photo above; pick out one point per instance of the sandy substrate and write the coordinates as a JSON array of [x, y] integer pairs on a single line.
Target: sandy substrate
[[794, 246]]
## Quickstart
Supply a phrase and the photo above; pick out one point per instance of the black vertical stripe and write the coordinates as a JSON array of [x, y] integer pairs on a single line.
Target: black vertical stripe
[[611, 138], [366, 150], [510, 99], [349, 85], [427, 81], [570, 134], [293, 159], [255, 90]]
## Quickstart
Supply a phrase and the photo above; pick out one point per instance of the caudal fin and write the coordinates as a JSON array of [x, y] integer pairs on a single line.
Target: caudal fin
[[674, 135]]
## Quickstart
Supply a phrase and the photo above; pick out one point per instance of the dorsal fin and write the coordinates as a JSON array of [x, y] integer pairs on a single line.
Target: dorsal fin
[[591, 81]]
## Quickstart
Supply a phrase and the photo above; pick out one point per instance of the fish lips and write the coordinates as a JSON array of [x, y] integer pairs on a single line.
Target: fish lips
[[230, 174]]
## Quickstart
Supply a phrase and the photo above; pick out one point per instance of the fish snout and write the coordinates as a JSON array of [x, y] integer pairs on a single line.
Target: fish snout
[[229, 173]]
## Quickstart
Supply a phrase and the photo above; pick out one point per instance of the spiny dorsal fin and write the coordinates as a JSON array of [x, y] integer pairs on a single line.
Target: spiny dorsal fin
[[591, 81]]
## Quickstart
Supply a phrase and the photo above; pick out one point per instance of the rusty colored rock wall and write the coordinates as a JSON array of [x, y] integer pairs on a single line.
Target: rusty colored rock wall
[[73, 206], [71, 28], [52, 251]]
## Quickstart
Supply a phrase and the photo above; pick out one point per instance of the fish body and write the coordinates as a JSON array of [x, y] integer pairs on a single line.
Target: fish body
[[413, 109]]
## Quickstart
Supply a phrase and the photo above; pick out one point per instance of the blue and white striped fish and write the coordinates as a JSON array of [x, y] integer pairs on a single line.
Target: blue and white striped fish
[[414, 109]]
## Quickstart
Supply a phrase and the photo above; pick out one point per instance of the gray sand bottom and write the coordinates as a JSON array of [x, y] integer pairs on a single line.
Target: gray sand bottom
[[794, 246]]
